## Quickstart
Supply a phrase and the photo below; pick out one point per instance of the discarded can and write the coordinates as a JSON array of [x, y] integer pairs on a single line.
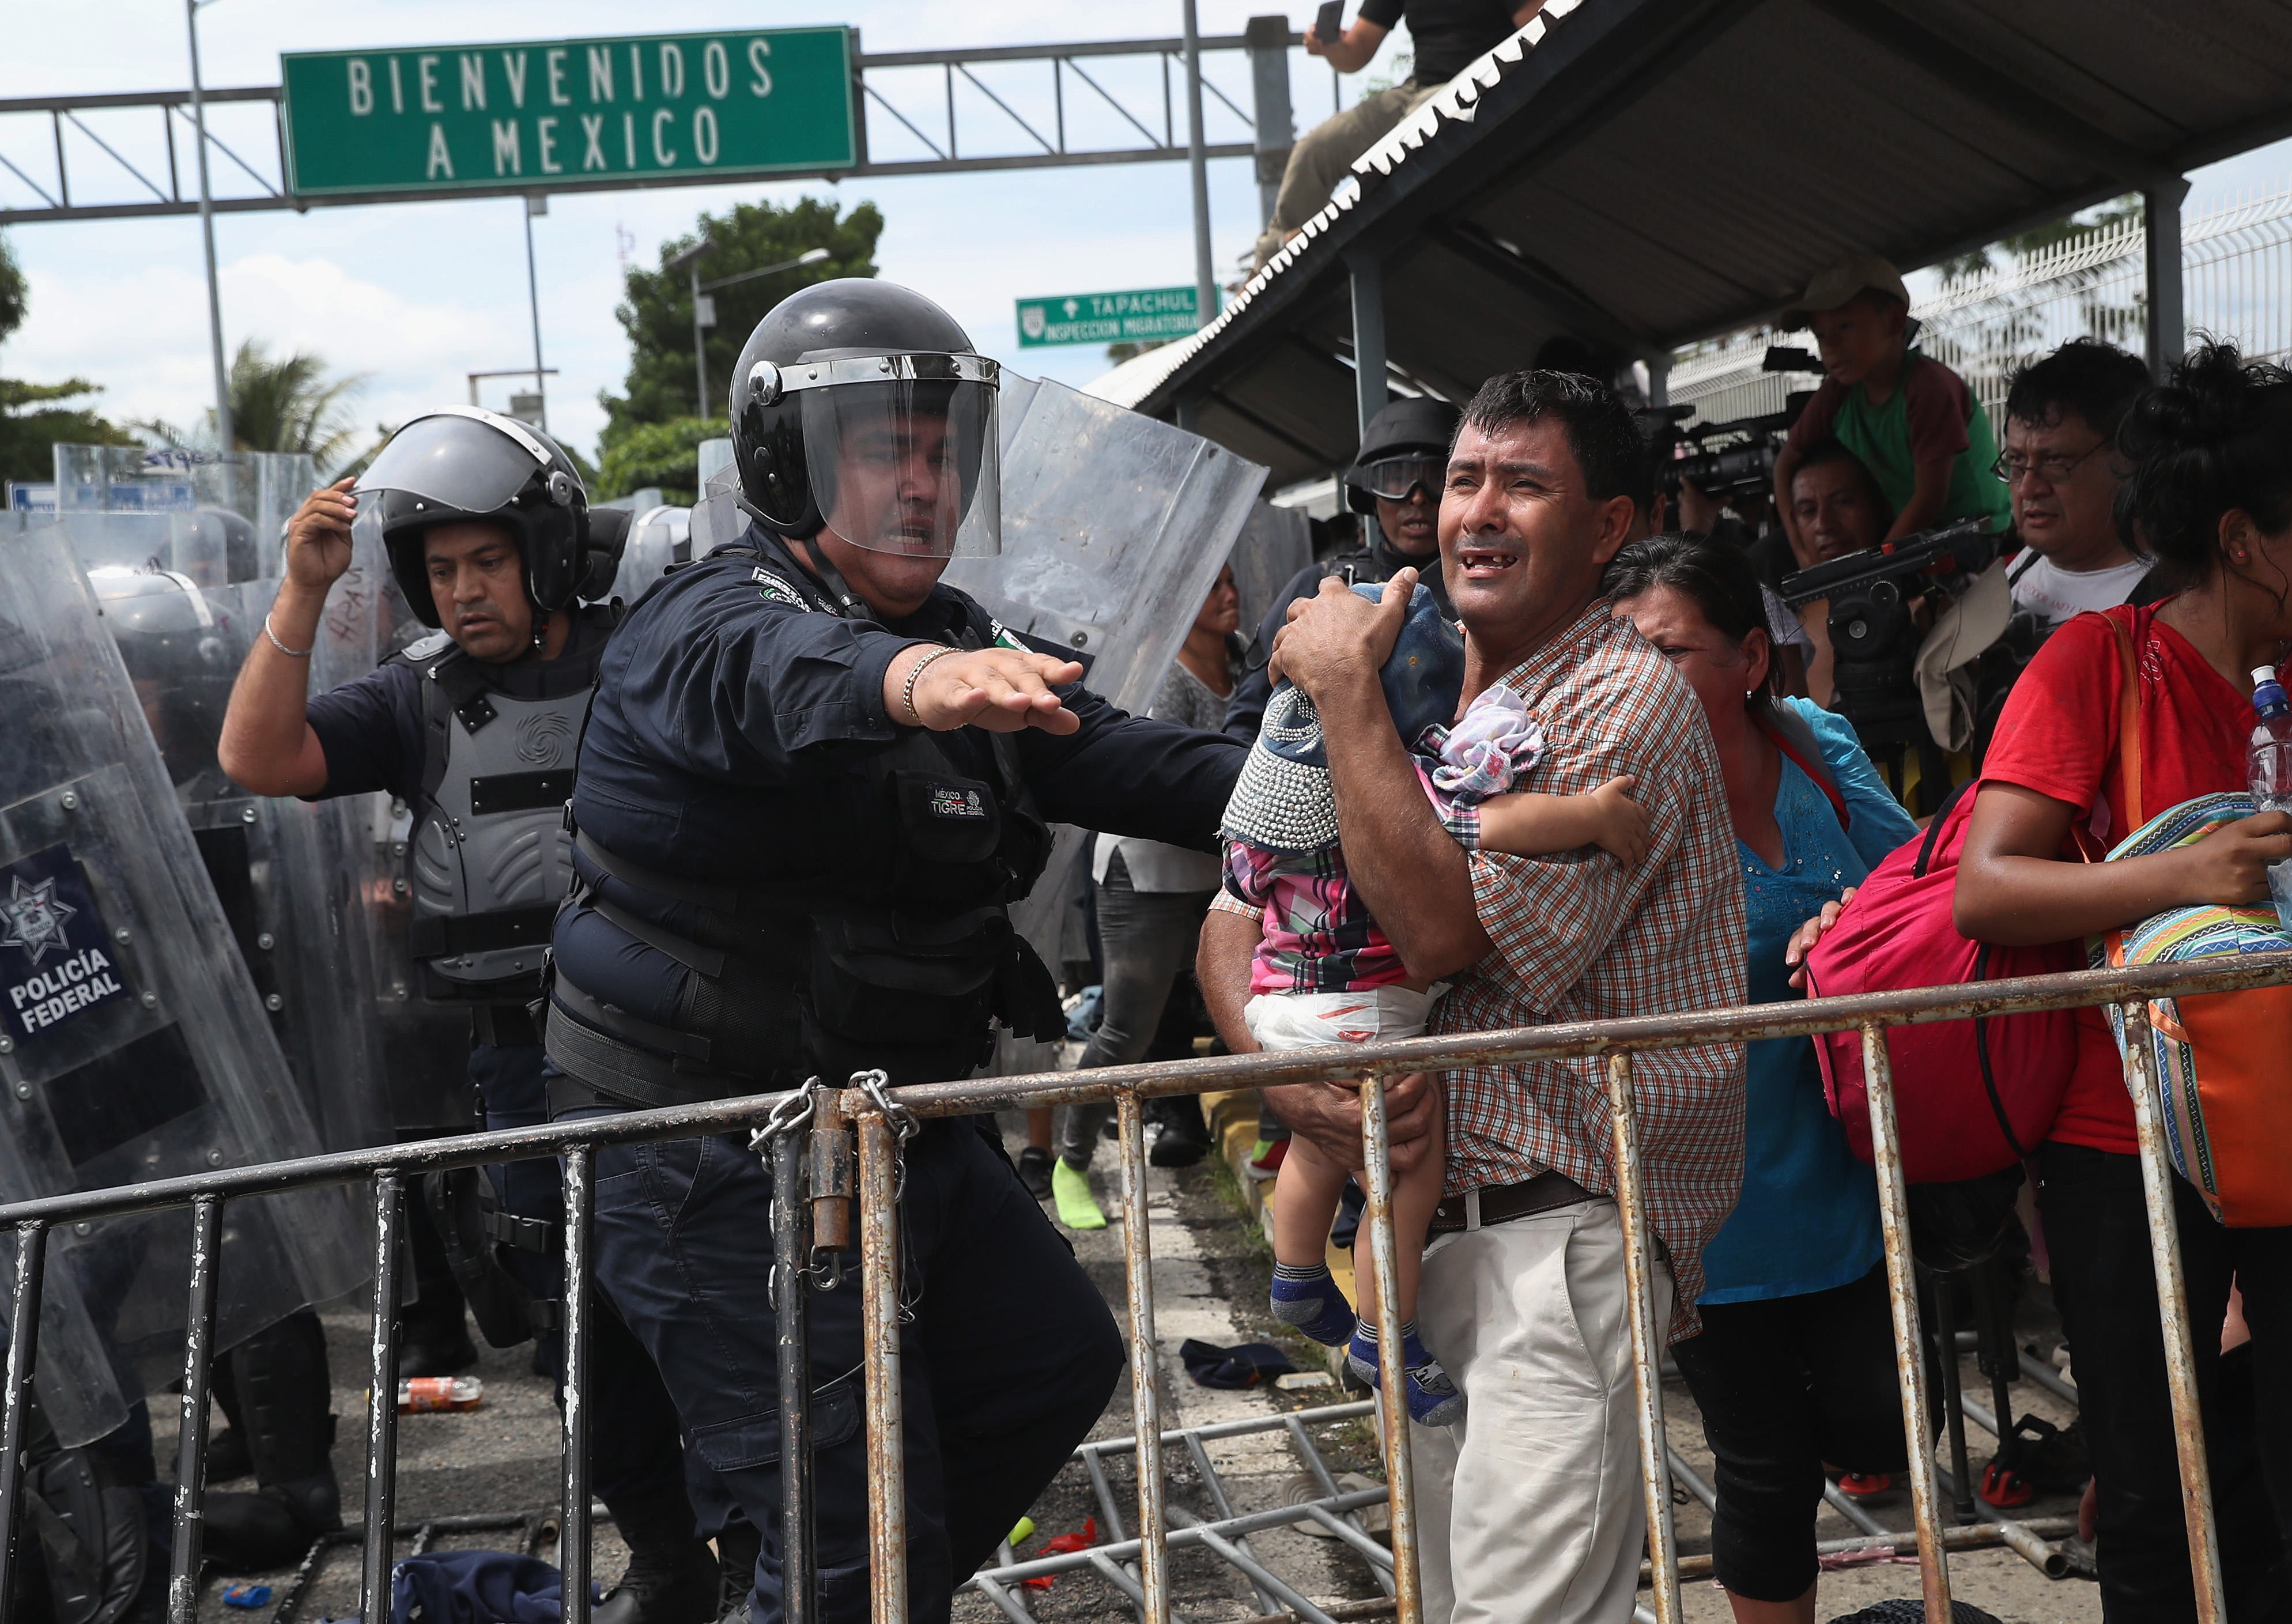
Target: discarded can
[[425, 1392], [247, 1595]]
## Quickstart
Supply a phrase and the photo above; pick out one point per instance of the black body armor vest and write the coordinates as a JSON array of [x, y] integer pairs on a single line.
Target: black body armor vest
[[903, 960]]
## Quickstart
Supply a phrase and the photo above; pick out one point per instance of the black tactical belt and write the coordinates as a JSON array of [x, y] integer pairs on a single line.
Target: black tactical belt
[[1502, 1203]]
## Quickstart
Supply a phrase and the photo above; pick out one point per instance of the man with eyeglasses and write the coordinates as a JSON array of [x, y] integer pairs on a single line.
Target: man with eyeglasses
[[1397, 475], [2059, 463]]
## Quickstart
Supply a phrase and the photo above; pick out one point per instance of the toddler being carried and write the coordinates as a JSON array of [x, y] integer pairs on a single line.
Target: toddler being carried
[[1325, 974]]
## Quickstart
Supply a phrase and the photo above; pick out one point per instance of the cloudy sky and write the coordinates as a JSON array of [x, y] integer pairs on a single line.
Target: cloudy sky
[[416, 296]]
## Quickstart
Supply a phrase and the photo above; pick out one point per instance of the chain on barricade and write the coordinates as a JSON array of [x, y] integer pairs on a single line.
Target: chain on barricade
[[905, 1124], [829, 1166]]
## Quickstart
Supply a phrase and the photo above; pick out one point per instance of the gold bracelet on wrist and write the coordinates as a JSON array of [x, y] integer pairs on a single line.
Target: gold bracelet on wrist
[[908, 689]]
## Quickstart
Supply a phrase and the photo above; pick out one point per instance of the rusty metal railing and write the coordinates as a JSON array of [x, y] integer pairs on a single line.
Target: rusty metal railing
[[819, 1164]]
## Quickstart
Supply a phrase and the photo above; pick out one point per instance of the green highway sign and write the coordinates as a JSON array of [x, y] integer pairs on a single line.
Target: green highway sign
[[556, 113], [1104, 318]]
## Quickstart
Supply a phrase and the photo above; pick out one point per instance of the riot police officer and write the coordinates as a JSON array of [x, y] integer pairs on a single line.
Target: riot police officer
[[492, 541], [1396, 477], [813, 782]]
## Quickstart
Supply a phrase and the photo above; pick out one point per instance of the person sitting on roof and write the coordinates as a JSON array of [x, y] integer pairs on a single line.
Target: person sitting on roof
[[1449, 34], [1911, 420]]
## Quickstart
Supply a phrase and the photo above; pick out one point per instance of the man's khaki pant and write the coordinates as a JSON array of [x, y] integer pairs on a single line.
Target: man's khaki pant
[[1530, 1511], [1324, 152]]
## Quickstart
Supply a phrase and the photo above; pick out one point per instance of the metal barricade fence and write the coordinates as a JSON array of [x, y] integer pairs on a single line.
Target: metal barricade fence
[[810, 1234]]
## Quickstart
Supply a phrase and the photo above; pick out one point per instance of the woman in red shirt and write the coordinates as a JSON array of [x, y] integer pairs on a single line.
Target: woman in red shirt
[[2210, 497]]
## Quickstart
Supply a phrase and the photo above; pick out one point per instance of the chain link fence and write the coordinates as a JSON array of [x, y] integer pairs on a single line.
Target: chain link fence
[[2236, 277]]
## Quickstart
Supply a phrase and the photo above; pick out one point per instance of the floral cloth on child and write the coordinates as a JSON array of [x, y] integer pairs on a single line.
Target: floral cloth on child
[[1485, 753]]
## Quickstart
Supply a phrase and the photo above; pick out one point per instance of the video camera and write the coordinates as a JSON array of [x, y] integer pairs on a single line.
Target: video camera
[[1874, 641], [1727, 460]]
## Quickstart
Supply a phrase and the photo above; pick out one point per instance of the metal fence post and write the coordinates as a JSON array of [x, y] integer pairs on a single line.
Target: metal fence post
[[1392, 1389], [1647, 1341], [879, 1275], [382, 1398], [1145, 1364], [792, 1325], [573, 1513], [1909, 1344], [2173, 1313], [23, 1356], [191, 1447]]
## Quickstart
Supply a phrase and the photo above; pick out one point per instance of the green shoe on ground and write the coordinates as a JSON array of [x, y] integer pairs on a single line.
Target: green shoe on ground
[[1070, 1189]]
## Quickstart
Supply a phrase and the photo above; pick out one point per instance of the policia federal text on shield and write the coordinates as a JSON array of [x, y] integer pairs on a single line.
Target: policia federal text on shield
[[813, 783]]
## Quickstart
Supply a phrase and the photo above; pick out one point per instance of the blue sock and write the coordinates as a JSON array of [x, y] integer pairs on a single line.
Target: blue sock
[[1306, 1297]]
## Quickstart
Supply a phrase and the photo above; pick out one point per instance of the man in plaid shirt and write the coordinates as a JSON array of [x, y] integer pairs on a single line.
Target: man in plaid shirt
[[1531, 1508]]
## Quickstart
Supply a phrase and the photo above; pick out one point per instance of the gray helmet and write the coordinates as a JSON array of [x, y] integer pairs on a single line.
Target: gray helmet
[[178, 656], [857, 375], [461, 464]]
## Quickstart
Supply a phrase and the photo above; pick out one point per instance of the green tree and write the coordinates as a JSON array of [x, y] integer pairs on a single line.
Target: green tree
[[657, 312], [33, 416], [15, 298], [34, 420], [666, 455], [287, 403]]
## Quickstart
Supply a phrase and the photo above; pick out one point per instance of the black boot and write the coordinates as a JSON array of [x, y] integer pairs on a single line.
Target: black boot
[[672, 1576], [286, 1404], [228, 1456], [433, 1330], [737, 1546]]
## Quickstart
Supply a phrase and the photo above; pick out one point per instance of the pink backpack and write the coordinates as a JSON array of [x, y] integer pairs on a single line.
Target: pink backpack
[[1971, 1097]]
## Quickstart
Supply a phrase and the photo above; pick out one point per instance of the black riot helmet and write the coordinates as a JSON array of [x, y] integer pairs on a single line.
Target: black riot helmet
[[860, 407], [1405, 445], [461, 464]]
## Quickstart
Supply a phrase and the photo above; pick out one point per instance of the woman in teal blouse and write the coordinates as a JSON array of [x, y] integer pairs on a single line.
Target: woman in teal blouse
[[1794, 1368]]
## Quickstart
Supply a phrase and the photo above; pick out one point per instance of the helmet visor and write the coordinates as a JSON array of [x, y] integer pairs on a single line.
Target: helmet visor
[[1394, 478], [454, 461], [909, 465]]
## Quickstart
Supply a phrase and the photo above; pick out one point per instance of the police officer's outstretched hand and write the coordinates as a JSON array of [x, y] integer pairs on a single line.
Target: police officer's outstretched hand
[[1000, 690], [318, 537]]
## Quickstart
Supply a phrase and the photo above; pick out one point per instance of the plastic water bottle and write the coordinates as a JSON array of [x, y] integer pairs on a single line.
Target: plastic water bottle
[[421, 1393], [2270, 762]]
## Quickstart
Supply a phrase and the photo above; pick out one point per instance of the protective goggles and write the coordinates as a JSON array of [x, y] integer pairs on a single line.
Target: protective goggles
[[1395, 478]]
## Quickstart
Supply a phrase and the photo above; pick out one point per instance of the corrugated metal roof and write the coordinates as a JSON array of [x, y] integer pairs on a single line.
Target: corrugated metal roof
[[1641, 173]]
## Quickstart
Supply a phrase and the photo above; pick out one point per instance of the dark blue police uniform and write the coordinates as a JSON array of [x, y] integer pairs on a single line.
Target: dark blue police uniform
[[754, 833], [371, 730]]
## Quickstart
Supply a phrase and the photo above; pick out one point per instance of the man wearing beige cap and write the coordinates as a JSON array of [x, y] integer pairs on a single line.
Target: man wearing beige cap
[[1911, 420]]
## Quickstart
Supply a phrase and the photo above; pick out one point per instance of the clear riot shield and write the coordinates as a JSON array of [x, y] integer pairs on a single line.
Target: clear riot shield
[[287, 873], [240, 500], [659, 536], [191, 546], [1276, 543], [133, 1046], [425, 1046], [1114, 528]]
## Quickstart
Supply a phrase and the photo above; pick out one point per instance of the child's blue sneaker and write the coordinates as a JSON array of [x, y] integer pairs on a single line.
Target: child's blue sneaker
[[1433, 1400]]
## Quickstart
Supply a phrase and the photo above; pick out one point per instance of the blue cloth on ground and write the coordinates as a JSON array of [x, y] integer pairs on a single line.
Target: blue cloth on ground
[[478, 1587], [1245, 1366], [1808, 1217]]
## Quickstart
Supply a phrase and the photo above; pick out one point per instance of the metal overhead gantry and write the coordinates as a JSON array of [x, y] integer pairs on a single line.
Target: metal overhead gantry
[[964, 117]]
